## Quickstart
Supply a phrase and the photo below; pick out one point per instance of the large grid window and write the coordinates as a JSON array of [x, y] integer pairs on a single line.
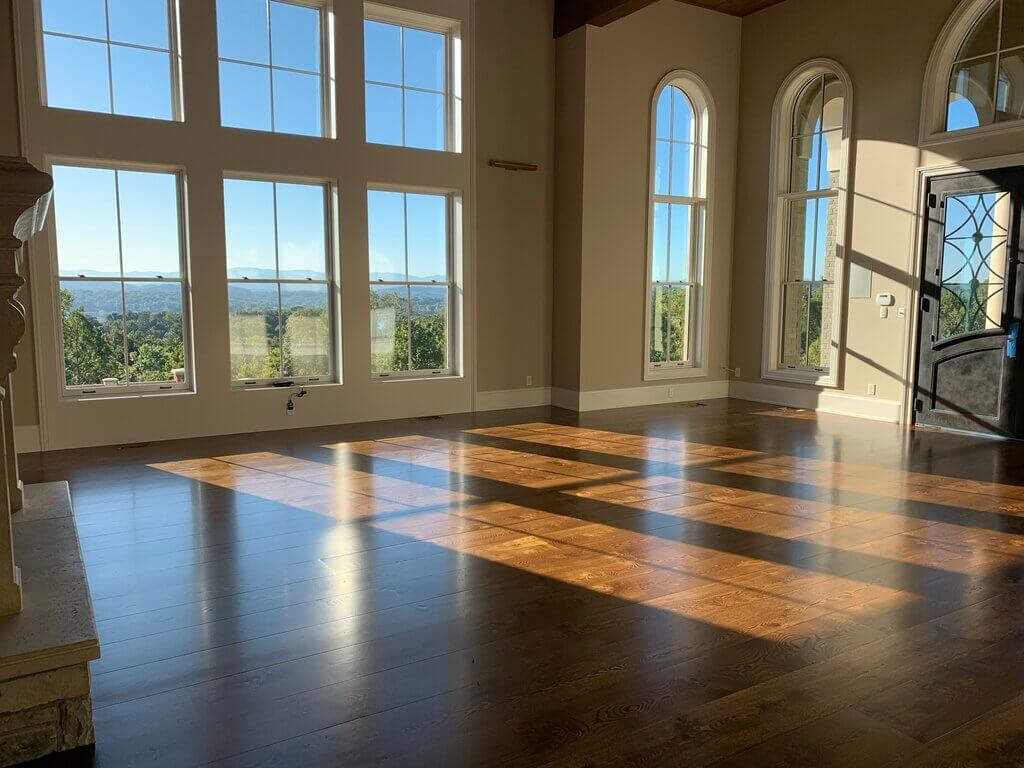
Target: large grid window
[[407, 86], [411, 286], [678, 207], [120, 280], [809, 213], [279, 281], [112, 56], [272, 62], [986, 84]]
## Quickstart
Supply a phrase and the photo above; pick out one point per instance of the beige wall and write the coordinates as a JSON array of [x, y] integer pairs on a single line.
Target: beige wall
[[885, 47], [515, 211], [623, 64]]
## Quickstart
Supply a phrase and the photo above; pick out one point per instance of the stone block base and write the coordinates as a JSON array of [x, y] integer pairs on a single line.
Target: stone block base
[[44, 713]]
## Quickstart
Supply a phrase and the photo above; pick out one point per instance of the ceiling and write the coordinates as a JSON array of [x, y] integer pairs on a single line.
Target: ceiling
[[570, 14]]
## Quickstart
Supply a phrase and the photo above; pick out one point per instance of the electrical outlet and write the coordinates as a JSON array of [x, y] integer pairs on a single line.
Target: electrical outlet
[[883, 312], [901, 312], [872, 389], [529, 381], [737, 373], [671, 392]]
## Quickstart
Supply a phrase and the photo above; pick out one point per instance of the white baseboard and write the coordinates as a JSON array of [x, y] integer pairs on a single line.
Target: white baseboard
[[26, 439], [823, 401], [501, 400], [631, 397]]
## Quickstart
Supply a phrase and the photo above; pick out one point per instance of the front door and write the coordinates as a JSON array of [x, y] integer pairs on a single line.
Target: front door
[[972, 301]]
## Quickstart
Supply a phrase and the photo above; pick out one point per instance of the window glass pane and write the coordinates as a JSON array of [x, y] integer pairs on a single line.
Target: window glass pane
[[307, 334], [249, 229], [424, 120], [389, 328], [659, 255], [85, 212], [242, 31], [795, 304], [85, 18], [679, 244], [142, 82], [383, 115], [679, 342], [984, 38], [428, 238], [382, 52], [835, 104], [154, 330], [970, 89], [295, 31], [301, 232], [682, 117], [804, 166], [1010, 91], [386, 220], [800, 255], [663, 123], [424, 59], [429, 327], [807, 113], [142, 22], [682, 169], [827, 238], [662, 150], [253, 318], [76, 74], [297, 103], [92, 333], [819, 325], [150, 224], [244, 96], [1013, 23], [831, 157], [660, 322]]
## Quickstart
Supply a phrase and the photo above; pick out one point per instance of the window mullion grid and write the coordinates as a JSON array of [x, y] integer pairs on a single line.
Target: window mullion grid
[[401, 50], [120, 256], [110, 63], [270, 74], [999, 56], [277, 273], [405, 239]]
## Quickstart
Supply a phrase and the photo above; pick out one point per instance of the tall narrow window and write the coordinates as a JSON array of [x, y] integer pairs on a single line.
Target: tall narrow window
[[411, 285], [120, 280], [808, 228], [272, 63], [986, 82], [412, 80], [113, 56], [678, 214], [279, 281]]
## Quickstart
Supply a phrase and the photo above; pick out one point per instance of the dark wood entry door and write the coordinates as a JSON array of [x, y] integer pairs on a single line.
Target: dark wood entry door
[[972, 301]]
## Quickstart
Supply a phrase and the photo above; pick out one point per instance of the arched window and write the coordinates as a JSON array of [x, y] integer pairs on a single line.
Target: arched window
[[975, 79], [676, 287], [807, 227]]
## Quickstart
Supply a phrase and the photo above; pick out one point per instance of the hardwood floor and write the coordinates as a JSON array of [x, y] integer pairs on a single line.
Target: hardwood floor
[[733, 584]]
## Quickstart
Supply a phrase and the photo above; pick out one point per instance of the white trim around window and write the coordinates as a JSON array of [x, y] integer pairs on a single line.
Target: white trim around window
[[780, 205], [697, 198]]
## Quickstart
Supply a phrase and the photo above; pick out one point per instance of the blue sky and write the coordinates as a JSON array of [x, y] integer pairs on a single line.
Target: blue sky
[[427, 235]]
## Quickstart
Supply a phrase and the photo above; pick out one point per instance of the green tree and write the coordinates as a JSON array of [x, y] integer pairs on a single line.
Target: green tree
[[89, 356]]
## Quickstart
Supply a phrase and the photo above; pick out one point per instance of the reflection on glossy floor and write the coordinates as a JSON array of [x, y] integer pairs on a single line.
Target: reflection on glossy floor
[[661, 586]]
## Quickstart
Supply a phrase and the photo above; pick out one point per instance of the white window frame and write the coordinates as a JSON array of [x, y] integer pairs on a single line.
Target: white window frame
[[935, 93], [452, 271], [174, 41], [701, 229], [333, 288], [328, 120], [451, 30], [88, 392], [779, 205]]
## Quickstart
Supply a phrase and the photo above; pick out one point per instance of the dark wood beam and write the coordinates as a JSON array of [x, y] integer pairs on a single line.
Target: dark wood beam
[[572, 14]]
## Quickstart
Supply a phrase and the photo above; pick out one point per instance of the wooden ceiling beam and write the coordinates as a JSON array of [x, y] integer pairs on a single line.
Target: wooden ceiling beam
[[572, 14]]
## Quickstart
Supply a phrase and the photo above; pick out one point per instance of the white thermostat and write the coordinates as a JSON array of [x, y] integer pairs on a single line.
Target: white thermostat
[[885, 299]]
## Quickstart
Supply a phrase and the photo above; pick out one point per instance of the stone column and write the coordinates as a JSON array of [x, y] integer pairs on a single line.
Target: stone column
[[24, 200]]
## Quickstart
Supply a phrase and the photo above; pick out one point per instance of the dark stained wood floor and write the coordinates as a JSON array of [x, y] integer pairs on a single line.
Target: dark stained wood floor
[[733, 584]]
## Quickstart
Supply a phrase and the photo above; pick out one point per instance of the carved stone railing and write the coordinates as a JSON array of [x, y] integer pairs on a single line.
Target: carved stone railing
[[24, 200]]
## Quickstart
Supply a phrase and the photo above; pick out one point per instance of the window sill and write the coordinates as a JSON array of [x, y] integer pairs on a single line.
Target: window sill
[[680, 372], [995, 129], [297, 385], [415, 377], [814, 378], [122, 394]]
